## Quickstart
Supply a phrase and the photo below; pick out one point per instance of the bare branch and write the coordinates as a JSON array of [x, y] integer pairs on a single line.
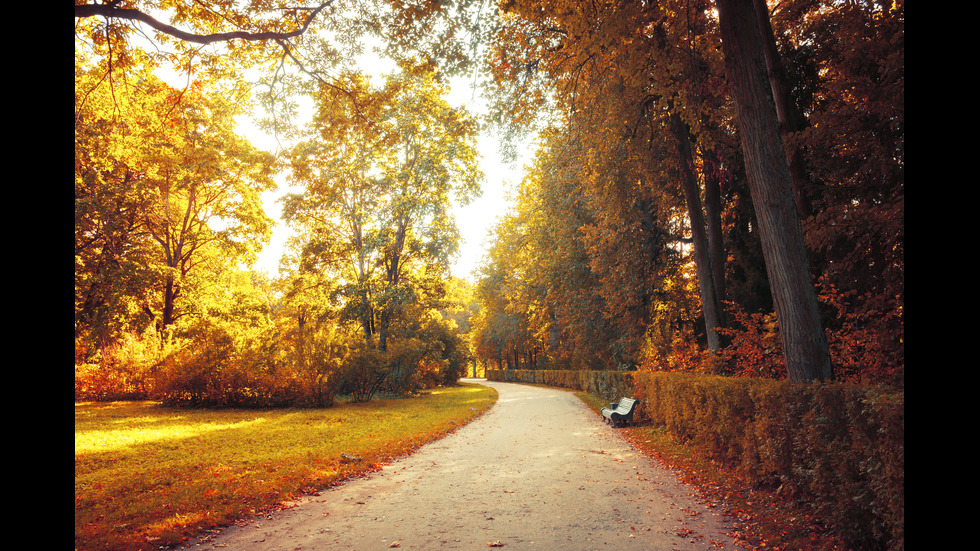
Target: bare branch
[[110, 11]]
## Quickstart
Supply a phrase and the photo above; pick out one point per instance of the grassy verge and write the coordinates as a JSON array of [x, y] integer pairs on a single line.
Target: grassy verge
[[148, 476], [765, 519]]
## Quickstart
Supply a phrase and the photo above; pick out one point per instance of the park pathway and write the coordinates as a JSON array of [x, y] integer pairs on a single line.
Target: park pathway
[[538, 471]]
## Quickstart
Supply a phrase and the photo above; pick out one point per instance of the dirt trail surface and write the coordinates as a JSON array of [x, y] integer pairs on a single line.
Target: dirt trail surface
[[538, 471]]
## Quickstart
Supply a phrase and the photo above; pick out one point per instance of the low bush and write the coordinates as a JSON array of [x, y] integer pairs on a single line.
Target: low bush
[[209, 365]]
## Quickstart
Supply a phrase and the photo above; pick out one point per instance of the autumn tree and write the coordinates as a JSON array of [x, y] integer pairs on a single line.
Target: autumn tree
[[113, 258], [208, 184], [846, 70], [630, 74], [577, 271], [335, 217], [804, 343], [664, 56], [625, 73], [163, 185], [379, 191]]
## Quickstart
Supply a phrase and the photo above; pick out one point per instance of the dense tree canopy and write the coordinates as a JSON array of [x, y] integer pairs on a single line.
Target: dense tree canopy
[[166, 193], [649, 96]]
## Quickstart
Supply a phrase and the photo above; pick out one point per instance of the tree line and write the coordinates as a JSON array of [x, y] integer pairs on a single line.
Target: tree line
[[719, 187], [643, 234], [169, 215]]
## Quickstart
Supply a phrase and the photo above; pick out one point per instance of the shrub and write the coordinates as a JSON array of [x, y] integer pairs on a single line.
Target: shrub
[[212, 370], [362, 372], [839, 447], [197, 374], [119, 370]]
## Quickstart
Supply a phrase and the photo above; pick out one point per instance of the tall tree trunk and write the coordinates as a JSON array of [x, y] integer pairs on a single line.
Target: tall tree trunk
[[383, 320], [169, 298], [712, 212], [804, 342], [367, 314], [789, 119], [301, 340], [367, 317], [393, 278], [710, 305]]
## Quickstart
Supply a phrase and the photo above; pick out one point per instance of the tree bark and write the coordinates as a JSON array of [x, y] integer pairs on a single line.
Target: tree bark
[[712, 212], [710, 305], [170, 292], [804, 343], [789, 119]]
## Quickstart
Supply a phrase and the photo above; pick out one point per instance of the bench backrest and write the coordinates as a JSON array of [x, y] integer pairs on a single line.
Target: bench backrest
[[626, 404]]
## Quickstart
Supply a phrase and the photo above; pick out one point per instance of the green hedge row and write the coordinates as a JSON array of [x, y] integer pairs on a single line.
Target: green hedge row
[[839, 447]]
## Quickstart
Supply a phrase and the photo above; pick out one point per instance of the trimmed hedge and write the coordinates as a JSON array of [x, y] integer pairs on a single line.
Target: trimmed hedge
[[608, 385], [839, 447]]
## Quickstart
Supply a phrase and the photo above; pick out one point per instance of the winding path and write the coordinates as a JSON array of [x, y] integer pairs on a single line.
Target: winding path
[[538, 471]]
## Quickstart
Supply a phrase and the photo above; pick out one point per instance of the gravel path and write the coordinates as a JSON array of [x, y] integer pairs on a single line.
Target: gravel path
[[538, 471]]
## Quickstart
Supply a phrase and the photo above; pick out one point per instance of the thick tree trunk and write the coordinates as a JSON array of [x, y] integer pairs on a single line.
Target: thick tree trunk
[[804, 342]]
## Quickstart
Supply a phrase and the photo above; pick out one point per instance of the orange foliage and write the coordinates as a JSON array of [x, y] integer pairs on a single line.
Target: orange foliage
[[866, 343], [867, 338], [755, 349]]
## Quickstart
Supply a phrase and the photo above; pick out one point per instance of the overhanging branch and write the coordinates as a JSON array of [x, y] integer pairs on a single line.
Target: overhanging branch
[[110, 11]]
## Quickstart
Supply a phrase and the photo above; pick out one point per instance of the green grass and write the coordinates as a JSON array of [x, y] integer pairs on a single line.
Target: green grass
[[147, 476]]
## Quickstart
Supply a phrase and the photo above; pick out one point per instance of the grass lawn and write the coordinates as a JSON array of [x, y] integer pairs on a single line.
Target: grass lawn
[[147, 476]]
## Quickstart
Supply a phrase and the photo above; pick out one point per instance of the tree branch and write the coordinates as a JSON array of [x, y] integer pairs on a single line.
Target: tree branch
[[110, 11]]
